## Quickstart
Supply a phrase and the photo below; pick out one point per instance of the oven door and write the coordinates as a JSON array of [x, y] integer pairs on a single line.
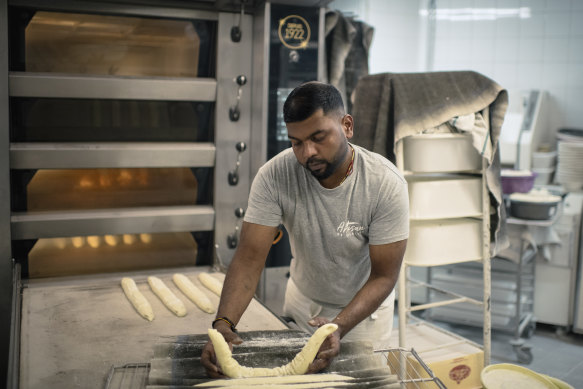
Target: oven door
[[114, 114], [121, 157]]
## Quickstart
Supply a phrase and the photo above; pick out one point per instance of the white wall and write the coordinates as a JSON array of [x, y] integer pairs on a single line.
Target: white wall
[[398, 43], [543, 49]]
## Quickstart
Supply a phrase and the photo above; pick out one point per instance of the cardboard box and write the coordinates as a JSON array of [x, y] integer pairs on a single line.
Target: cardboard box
[[456, 361]]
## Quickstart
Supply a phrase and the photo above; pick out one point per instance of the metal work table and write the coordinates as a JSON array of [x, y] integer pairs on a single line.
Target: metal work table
[[73, 330]]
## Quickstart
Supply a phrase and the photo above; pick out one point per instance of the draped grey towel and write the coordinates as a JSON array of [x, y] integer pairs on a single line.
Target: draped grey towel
[[347, 47], [390, 106]]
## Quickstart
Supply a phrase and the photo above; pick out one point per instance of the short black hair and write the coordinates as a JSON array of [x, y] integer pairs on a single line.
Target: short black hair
[[309, 97]]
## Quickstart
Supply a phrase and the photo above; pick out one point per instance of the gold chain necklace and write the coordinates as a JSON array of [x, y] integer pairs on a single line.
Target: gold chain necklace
[[349, 170]]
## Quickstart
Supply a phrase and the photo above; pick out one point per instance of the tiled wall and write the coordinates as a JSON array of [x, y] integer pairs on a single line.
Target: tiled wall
[[399, 38], [540, 47], [521, 44]]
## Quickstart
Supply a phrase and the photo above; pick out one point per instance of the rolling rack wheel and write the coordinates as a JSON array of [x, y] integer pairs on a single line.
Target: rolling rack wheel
[[528, 331], [522, 350], [523, 353]]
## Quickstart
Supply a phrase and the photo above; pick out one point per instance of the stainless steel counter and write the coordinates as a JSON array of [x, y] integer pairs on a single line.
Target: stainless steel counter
[[73, 330]]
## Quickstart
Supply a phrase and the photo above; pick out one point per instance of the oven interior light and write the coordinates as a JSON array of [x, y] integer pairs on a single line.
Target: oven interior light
[[146, 238], [129, 238], [78, 241], [94, 241], [60, 243], [111, 240]]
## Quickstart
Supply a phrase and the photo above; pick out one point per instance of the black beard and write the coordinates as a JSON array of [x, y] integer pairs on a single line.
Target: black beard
[[330, 166], [321, 175]]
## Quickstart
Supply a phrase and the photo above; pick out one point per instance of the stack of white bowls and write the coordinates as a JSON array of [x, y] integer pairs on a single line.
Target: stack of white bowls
[[570, 156], [544, 164]]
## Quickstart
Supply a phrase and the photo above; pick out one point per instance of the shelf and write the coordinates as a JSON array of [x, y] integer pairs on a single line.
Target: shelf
[[56, 85], [54, 224], [111, 155]]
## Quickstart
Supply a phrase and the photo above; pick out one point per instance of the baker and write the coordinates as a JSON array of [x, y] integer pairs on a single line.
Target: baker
[[346, 212]]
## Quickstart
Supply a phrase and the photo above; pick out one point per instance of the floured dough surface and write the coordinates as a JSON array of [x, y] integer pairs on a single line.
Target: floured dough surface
[[210, 282], [196, 295], [299, 365], [173, 303], [140, 303]]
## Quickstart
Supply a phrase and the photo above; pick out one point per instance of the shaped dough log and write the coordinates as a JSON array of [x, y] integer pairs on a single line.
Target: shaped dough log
[[137, 298], [299, 365], [193, 293], [211, 283], [169, 299], [331, 379], [317, 385]]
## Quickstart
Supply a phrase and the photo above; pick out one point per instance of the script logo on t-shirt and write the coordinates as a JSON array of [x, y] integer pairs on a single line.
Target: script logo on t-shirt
[[348, 228]]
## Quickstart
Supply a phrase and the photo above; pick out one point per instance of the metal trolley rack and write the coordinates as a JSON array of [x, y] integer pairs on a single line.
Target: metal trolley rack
[[479, 221], [513, 300]]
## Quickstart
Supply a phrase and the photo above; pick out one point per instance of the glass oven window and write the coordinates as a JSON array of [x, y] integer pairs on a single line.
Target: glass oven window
[[52, 190], [59, 42], [89, 120], [111, 253], [86, 189], [89, 45]]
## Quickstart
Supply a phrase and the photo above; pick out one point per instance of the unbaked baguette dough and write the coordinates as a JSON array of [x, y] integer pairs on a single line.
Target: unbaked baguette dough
[[193, 293], [289, 385], [211, 283], [299, 365], [169, 299], [137, 298], [288, 380], [315, 385]]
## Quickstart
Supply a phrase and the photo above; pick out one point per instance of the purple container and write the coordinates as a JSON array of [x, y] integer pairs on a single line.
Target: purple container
[[520, 184]]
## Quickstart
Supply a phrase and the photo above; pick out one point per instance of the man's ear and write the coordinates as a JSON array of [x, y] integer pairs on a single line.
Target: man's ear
[[348, 126]]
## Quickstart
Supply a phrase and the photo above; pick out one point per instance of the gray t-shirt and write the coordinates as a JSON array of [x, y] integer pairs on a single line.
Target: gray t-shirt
[[330, 229]]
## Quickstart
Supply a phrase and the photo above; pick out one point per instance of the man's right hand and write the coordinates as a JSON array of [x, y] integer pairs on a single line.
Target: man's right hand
[[208, 357]]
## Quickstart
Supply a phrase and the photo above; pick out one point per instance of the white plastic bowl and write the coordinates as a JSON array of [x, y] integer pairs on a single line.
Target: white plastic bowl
[[430, 153], [544, 160], [444, 196], [544, 176], [444, 241]]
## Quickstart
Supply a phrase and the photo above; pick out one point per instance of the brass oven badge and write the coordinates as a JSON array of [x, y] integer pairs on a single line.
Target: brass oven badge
[[294, 32]]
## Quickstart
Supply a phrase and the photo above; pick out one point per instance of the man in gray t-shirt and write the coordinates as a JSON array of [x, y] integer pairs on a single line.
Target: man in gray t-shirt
[[346, 211]]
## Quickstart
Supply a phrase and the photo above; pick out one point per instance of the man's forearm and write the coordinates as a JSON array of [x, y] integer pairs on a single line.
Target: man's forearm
[[238, 289], [245, 269], [385, 265]]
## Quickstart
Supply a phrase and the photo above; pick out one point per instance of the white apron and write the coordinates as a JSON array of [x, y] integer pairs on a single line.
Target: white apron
[[375, 329]]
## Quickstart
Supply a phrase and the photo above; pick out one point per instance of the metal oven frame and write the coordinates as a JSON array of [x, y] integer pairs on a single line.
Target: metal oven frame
[[218, 217], [248, 57]]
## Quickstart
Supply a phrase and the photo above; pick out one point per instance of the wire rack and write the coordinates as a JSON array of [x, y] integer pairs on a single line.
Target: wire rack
[[411, 371], [128, 376]]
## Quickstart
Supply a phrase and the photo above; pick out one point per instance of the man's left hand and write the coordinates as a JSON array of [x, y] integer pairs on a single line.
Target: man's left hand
[[328, 350]]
